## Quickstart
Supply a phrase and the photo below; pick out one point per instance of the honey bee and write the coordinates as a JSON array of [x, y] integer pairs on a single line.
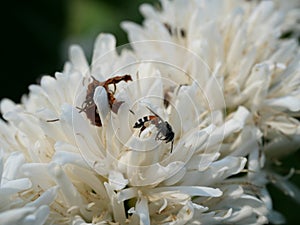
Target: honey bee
[[165, 131], [89, 106]]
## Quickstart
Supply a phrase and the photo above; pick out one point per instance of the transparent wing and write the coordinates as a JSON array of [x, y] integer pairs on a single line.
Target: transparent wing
[[154, 113]]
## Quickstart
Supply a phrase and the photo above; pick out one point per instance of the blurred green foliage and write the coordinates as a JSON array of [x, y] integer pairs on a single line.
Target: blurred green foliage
[[281, 202], [87, 18], [36, 35]]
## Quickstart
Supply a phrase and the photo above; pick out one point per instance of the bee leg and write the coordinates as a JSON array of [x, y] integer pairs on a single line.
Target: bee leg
[[157, 136], [80, 109], [172, 146], [161, 138], [141, 130]]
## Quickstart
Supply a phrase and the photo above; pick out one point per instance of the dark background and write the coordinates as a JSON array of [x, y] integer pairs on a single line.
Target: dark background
[[35, 38], [36, 35]]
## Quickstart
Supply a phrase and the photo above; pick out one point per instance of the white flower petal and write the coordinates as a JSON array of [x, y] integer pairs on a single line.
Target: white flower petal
[[141, 209], [217, 171], [14, 186], [175, 178], [100, 98], [214, 93], [15, 216], [63, 157], [78, 60], [127, 193], [190, 190], [116, 180], [12, 166], [153, 174], [71, 195], [45, 199], [117, 206], [91, 149], [288, 102], [104, 53], [39, 217], [234, 124], [185, 214], [7, 105]]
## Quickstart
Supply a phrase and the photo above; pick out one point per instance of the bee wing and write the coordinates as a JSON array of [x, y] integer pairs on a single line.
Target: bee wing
[[154, 113]]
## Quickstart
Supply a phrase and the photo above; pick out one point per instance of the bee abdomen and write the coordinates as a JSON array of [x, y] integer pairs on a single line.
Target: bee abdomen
[[141, 122]]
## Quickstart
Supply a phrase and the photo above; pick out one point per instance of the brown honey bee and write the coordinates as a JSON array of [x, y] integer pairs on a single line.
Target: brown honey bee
[[165, 131]]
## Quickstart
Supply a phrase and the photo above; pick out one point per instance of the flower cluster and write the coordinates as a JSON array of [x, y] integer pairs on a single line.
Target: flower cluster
[[180, 128]]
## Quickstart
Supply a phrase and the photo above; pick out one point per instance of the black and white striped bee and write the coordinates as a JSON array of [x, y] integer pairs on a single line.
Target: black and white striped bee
[[165, 132]]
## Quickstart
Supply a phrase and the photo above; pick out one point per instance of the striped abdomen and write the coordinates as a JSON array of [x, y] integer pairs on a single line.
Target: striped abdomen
[[142, 121]]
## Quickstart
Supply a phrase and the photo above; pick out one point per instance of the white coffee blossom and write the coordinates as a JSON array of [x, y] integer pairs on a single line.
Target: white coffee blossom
[[214, 91], [238, 45]]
